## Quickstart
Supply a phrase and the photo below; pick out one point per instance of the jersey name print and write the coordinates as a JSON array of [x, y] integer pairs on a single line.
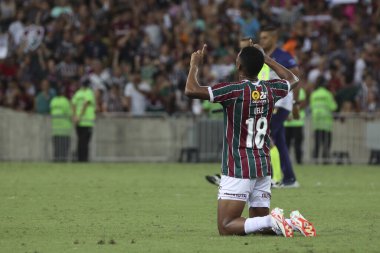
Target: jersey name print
[[248, 108]]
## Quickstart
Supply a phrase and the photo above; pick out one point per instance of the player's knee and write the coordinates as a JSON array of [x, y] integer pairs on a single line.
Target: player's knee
[[225, 228], [223, 231]]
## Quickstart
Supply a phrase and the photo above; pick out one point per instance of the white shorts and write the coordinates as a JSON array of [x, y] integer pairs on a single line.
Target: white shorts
[[256, 192]]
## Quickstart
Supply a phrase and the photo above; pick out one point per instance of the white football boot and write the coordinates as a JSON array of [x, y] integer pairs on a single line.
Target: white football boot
[[302, 225], [279, 225]]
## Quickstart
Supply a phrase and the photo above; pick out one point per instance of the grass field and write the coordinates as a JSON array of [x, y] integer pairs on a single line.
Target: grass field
[[51, 208]]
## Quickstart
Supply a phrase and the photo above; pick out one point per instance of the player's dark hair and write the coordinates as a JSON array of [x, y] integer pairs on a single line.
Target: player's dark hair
[[251, 60]]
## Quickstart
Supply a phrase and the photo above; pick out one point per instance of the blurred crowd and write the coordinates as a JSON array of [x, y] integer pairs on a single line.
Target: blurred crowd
[[136, 53]]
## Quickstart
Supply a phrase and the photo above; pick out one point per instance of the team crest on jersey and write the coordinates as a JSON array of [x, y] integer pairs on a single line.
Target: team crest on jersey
[[258, 96]]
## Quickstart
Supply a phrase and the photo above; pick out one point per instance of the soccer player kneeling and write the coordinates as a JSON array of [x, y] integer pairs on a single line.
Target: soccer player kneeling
[[246, 168]]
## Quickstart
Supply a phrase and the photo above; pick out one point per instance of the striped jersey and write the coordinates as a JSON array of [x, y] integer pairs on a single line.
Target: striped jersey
[[248, 111]]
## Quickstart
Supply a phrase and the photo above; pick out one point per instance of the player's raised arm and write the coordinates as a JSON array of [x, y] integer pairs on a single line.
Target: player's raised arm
[[280, 70], [193, 89]]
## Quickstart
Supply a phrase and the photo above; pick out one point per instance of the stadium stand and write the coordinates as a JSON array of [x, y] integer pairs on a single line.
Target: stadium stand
[[127, 46], [110, 41]]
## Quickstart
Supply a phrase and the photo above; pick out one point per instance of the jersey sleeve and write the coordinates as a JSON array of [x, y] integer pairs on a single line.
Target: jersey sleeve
[[279, 87], [224, 92]]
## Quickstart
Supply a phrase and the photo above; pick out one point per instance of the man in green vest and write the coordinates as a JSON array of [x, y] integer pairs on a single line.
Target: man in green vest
[[295, 123], [84, 104], [60, 111], [322, 105]]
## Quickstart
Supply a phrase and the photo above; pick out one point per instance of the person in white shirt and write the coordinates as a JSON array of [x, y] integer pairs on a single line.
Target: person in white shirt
[[136, 94]]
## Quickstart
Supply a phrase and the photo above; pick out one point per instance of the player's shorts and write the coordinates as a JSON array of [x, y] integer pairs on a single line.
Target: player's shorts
[[256, 192]]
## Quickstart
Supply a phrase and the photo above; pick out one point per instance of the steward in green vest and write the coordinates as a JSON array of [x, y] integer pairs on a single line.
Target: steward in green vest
[[322, 105], [60, 111], [84, 105], [295, 123]]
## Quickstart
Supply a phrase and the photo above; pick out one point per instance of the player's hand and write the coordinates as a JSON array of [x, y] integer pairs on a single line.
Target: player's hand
[[266, 57], [258, 47], [197, 56]]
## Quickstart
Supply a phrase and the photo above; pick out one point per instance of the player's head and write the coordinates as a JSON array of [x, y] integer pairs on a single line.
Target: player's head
[[250, 61], [268, 37]]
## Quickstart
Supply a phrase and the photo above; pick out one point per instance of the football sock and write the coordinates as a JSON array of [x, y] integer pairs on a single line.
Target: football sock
[[276, 165], [257, 224]]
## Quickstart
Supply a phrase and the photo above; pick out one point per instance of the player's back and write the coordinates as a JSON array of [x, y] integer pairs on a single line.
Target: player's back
[[248, 108]]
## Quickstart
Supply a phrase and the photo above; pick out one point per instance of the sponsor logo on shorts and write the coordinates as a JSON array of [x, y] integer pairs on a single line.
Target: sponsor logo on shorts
[[266, 195], [236, 195]]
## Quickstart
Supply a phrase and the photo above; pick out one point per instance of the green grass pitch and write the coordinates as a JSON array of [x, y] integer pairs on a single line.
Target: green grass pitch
[[158, 207]]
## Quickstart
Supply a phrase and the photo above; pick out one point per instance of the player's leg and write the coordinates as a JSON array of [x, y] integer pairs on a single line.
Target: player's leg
[[286, 165], [259, 199], [277, 125], [260, 219], [289, 136], [232, 196], [230, 221]]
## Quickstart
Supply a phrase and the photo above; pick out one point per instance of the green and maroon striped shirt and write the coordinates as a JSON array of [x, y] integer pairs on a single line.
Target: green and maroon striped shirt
[[248, 111]]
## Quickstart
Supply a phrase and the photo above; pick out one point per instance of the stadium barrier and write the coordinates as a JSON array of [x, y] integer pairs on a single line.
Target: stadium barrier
[[180, 138]]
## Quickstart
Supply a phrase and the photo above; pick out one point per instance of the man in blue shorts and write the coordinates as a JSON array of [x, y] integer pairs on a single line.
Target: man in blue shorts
[[268, 41]]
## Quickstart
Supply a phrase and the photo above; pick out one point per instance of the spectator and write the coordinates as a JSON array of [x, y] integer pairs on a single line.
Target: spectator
[[61, 7], [17, 99], [68, 68], [99, 77], [369, 94], [136, 93], [95, 48], [7, 12], [114, 100], [16, 28], [322, 104], [8, 69], [157, 36], [44, 97]]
